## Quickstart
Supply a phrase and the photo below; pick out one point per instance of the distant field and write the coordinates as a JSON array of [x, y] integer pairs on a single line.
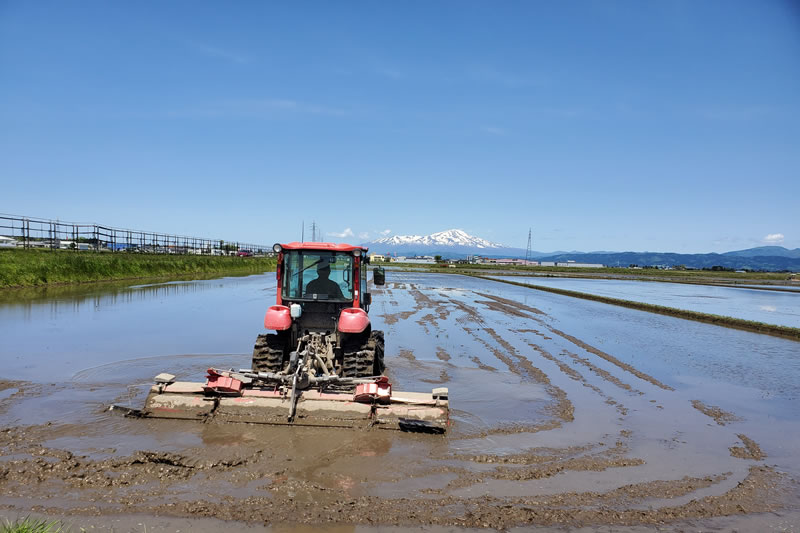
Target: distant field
[[28, 268], [686, 276]]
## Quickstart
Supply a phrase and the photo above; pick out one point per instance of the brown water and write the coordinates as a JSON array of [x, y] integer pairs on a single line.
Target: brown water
[[565, 412]]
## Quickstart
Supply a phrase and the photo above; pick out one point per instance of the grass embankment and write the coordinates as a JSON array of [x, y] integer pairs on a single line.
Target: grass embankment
[[727, 321], [30, 268]]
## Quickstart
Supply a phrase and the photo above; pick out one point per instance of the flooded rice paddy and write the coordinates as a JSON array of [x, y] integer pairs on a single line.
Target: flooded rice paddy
[[771, 305], [565, 413]]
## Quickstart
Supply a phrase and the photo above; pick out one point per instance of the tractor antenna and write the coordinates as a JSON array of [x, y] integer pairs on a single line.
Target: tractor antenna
[[303, 232], [528, 251]]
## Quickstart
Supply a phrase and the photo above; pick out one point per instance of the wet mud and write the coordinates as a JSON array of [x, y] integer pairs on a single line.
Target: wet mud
[[720, 417], [549, 427]]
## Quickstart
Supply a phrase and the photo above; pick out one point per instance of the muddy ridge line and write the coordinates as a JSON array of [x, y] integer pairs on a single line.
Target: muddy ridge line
[[717, 320]]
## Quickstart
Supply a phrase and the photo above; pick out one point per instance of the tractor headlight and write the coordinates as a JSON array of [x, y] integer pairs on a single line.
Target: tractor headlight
[[277, 248], [357, 253]]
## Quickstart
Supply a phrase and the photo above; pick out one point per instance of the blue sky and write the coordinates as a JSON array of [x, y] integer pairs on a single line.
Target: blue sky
[[647, 126]]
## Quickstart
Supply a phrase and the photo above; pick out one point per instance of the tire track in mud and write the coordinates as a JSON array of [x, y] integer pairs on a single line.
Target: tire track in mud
[[750, 449], [442, 354], [422, 301], [613, 360], [511, 306], [562, 407], [575, 375], [523, 311], [480, 364], [508, 307], [608, 376], [720, 417]]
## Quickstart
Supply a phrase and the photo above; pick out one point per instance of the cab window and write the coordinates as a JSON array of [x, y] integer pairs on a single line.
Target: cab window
[[317, 275]]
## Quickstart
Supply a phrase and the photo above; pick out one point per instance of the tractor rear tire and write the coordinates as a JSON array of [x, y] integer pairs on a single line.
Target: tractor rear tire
[[376, 343], [363, 358], [269, 353]]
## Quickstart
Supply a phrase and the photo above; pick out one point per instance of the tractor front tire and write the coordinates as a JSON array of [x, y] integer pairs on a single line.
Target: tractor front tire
[[269, 353]]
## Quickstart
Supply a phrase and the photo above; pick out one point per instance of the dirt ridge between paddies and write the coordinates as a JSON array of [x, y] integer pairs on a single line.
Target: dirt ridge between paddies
[[33, 268], [719, 320]]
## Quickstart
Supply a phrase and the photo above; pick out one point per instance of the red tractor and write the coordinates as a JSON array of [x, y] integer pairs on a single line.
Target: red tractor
[[320, 317], [323, 364]]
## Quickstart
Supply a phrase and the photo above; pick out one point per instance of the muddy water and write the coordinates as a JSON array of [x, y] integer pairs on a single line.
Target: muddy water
[[565, 412], [771, 306]]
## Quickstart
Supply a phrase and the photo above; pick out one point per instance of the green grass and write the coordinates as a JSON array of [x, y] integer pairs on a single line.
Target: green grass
[[31, 268], [33, 525]]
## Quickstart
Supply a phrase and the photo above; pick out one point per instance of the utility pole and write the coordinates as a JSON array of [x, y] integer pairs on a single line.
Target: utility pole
[[528, 251]]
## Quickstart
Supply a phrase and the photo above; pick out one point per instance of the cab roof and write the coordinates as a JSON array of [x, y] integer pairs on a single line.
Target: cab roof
[[328, 246]]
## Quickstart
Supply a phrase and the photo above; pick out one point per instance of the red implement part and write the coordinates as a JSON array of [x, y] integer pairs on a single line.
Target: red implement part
[[224, 384], [380, 391]]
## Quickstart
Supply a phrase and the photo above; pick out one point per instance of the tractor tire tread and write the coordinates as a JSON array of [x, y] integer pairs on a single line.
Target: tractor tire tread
[[269, 353], [363, 358]]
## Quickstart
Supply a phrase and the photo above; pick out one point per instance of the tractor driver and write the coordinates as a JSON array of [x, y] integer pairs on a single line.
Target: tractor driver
[[323, 285]]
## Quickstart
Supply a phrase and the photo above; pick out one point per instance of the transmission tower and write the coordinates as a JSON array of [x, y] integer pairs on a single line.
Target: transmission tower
[[528, 251], [314, 229]]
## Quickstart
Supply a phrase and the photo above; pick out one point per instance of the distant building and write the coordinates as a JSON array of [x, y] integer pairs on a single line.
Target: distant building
[[580, 265], [8, 242], [72, 245], [419, 260], [504, 261]]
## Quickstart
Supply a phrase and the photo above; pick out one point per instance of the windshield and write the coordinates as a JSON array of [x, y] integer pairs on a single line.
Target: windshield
[[316, 275]]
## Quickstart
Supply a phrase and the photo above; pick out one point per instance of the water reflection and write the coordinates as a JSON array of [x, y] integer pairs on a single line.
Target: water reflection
[[55, 332]]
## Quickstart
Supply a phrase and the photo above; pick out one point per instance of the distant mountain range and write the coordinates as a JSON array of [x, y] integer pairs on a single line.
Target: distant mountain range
[[457, 244]]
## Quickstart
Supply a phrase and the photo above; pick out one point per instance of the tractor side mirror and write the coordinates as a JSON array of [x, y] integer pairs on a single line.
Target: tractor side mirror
[[378, 276]]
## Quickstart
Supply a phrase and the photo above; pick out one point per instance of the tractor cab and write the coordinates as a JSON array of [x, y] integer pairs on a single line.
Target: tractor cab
[[318, 275], [322, 287]]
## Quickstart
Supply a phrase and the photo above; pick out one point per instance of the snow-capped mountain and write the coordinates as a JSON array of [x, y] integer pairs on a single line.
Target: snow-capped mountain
[[450, 243], [451, 237]]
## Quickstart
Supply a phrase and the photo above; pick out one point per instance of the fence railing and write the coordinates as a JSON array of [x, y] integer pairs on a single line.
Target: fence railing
[[26, 232]]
